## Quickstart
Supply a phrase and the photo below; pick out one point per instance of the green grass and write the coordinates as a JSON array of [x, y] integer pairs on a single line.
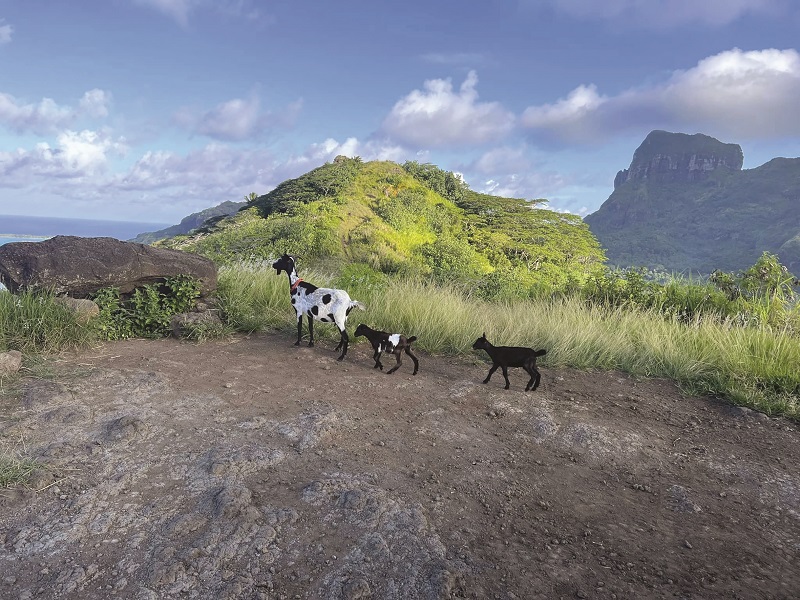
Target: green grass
[[34, 322], [750, 366]]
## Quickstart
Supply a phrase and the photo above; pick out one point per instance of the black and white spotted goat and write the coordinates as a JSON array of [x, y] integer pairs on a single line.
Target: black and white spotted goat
[[391, 343], [328, 305], [511, 356]]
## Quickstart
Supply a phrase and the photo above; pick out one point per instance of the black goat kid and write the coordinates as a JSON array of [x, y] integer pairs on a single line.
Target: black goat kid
[[511, 356], [391, 343], [324, 304]]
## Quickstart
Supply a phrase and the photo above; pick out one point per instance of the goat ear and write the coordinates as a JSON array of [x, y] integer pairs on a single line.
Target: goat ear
[[484, 335]]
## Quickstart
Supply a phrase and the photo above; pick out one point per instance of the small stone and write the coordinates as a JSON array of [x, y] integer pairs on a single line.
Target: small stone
[[687, 544]]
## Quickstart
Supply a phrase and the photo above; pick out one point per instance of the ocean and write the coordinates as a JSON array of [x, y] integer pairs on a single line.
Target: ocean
[[32, 229]]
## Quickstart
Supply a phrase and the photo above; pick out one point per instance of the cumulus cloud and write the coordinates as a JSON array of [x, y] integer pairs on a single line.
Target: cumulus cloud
[[747, 95], [6, 31], [667, 13], [76, 155], [44, 117], [47, 117], [95, 103], [438, 116], [237, 119]]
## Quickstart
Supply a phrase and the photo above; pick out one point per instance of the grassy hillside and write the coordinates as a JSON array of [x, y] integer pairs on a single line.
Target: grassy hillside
[[407, 219]]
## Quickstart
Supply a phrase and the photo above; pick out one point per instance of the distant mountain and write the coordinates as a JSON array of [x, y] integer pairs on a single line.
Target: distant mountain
[[192, 222], [686, 205]]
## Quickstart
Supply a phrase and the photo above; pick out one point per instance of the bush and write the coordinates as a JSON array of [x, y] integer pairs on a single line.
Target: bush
[[148, 311]]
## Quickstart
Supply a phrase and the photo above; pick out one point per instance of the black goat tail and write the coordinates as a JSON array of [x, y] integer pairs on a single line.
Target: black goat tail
[[540, 353], [413, 338]]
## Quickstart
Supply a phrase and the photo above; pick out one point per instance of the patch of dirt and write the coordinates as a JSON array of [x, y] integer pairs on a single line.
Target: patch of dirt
[[251, 468]]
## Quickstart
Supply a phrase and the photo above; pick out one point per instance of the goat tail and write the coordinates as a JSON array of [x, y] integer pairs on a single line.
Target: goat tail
[[413, 338], [540, 353]]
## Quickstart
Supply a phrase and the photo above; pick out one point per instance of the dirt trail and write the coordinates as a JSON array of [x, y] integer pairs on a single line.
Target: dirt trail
[[251, 468]]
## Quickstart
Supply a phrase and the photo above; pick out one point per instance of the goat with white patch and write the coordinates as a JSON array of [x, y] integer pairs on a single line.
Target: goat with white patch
[[328, 305], [391, 343]]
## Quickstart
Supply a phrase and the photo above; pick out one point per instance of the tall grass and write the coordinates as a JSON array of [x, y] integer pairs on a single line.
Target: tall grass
[[751, 366], [34, 322]]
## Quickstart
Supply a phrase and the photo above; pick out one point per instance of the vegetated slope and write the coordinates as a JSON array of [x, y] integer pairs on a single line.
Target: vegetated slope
[[409, 219], [192, 222], [685, 205]]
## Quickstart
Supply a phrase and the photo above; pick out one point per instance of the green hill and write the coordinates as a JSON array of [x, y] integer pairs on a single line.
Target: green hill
[[412, 219], [685, 204]]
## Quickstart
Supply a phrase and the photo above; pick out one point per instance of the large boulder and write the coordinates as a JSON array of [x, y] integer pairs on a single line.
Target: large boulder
[[79, 266]]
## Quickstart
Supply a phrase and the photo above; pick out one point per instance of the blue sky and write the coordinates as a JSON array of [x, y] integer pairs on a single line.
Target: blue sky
[[149, 110]]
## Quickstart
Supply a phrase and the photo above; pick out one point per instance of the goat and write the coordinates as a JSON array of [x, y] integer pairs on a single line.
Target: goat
[[324, 304], [511, 356], [391, 343]]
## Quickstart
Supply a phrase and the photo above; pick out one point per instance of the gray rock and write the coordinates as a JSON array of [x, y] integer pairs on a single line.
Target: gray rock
[[78, 266]]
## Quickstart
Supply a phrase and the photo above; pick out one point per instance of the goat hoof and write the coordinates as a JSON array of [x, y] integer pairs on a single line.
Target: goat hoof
[[297, 343]]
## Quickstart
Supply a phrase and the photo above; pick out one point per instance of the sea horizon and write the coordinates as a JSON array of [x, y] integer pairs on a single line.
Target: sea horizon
[[18, 228]]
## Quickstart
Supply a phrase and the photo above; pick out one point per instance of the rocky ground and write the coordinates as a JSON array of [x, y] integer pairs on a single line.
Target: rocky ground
[[251, 468]]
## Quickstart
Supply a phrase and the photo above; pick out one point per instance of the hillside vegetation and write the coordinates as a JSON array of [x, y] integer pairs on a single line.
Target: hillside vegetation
[[685, 205], [413, 219]]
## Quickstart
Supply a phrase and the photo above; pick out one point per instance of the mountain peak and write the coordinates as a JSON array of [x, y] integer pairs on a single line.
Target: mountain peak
[[664, 157]]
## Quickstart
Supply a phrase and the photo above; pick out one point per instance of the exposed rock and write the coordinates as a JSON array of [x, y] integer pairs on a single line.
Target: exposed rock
[[10, 362], [85, 310], [78, 266], [665, 157]]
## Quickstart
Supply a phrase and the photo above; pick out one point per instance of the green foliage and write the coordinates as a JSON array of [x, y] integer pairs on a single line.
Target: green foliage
[[34, 322], [327, 181], [361, 280], [450, 258], [148, 311], [445, 183]]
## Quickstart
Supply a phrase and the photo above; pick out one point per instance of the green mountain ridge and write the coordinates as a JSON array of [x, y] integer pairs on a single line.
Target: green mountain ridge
[[686, 205], [410, 219]]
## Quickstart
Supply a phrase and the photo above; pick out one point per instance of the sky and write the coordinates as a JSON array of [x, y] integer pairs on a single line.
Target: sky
[[150, 110]]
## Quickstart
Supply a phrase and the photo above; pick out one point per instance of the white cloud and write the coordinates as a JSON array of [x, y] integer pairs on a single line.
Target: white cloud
[[438, 116], [44, 117], [661, 14], [237, 119], [746, 95], [6, 31], [95, 103], [48, 117], [77, 155]]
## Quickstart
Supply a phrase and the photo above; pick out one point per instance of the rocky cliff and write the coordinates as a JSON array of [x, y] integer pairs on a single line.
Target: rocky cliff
[[670, 157], [686, 205]]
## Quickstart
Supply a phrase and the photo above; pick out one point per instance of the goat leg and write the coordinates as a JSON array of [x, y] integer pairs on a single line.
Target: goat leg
[[505, 375], [377, 358], [414, 358], [343, 344], [397, 366], [491, 371], [310, 330], [299, 329]]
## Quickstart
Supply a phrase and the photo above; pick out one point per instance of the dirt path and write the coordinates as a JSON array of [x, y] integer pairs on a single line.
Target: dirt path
[[255, 469]]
